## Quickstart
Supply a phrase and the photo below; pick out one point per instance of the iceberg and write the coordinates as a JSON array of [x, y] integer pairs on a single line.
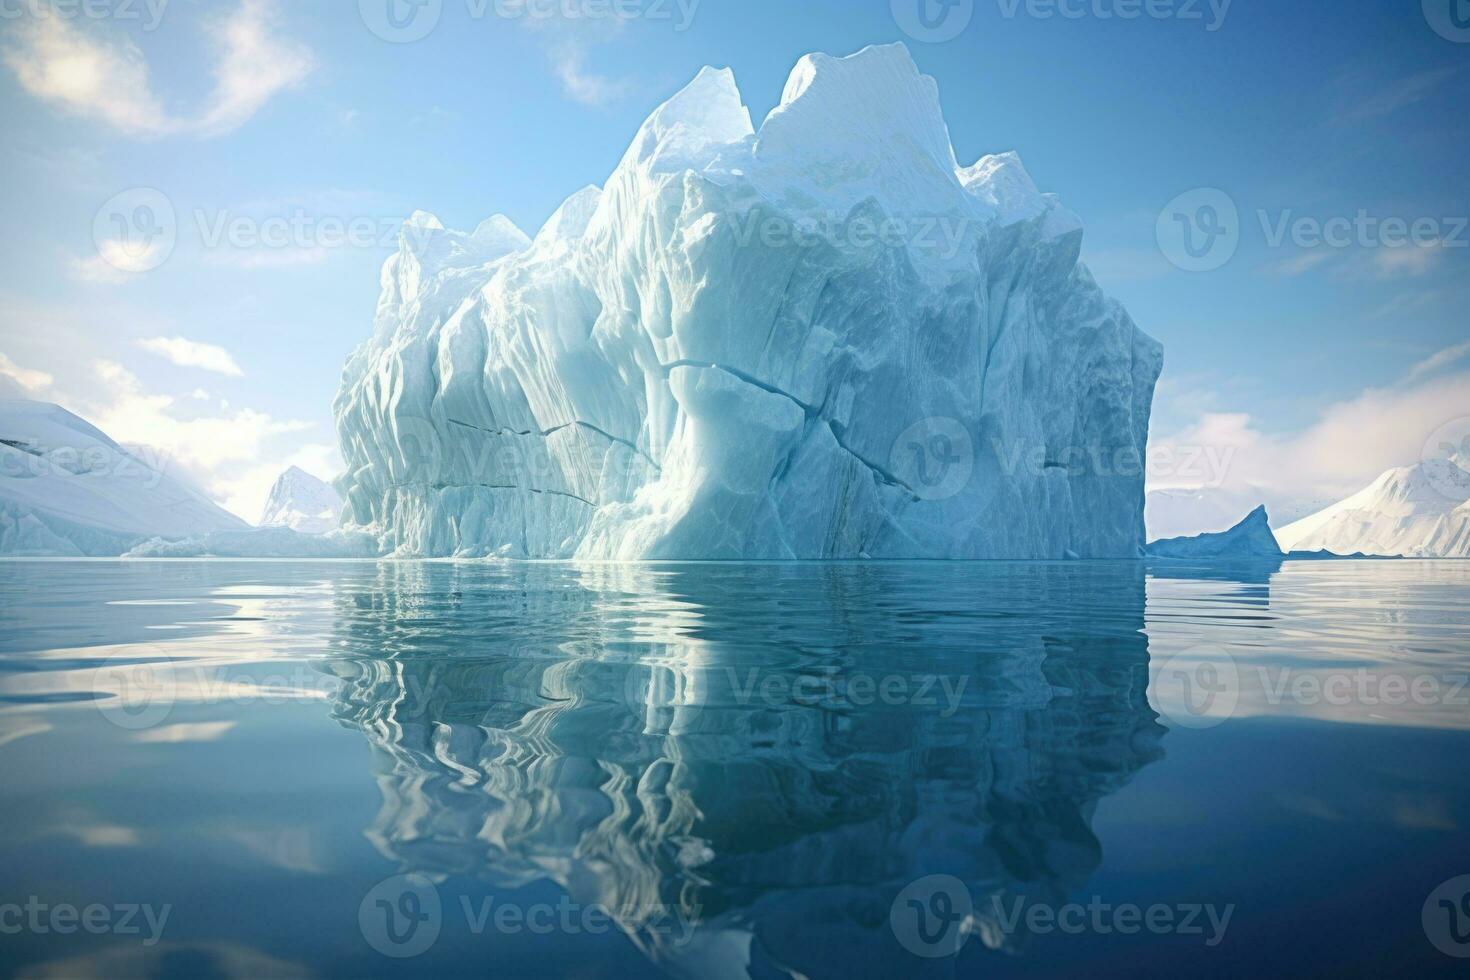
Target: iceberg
[[1180, 512], [1420, 511], [823, 338], [68, 490], [1251, 538], [302, 503]]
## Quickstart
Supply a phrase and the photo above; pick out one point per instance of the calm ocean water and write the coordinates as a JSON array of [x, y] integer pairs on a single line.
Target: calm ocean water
[[234, 769]]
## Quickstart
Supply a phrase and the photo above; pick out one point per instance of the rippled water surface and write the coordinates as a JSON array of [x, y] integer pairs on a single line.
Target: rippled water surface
[[849, 770]]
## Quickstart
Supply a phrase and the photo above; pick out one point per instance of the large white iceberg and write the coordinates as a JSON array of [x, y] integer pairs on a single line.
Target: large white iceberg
[[819, 339], [68, 490]]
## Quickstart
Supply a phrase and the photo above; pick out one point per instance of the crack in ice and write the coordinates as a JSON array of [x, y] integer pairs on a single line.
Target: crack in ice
[[506, 431], [811, 411]]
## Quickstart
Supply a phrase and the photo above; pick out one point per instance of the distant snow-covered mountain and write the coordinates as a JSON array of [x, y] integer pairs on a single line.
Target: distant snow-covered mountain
[[303, 503], [1420, 511], [68, 490]]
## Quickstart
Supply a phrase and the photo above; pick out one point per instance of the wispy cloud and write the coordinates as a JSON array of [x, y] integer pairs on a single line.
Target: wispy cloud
[[569, 62], [1351, 442], [107, 79], [225, 453], [1383, 262], [254, 64], [1302, 262], [1438, 360], [101, 834], [117, 261], [569, 43], [1397, 95], [190, 353], [59, 63], [28, 378], [1407, 261], [233, 453], [1406, 302]]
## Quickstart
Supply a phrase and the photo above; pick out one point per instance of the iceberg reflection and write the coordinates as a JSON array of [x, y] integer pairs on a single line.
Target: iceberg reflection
[[767, 754]]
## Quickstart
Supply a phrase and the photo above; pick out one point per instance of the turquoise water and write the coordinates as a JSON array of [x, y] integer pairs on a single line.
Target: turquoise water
[[1013, 769]]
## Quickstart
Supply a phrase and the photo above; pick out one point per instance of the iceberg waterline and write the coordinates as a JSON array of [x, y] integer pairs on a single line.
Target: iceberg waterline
[[819, 339]]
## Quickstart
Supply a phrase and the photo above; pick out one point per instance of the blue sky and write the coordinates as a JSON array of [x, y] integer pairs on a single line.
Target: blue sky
[[1315, 367]]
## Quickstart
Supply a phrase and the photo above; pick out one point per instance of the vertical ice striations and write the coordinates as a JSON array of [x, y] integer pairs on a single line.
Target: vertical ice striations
[[820, 339]]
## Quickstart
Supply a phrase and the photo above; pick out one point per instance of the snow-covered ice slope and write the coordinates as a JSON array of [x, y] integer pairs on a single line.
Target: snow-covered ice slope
[[66, 489], [1420, 511], [262, 542], [302, 502], [819, 339]]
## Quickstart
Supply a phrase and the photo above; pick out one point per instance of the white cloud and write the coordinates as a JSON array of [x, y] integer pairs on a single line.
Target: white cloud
[[28, 378], [190, 353], [1302, 262], [1398, 95], [95, 269], [103, 835], [1407, 302], [254, 65], [58, 63], [1437, 360], [1349, 445], [568, 42], [64, 64], [117, 260], [569, 62], [1407, 260], [217, 451], [232, 453]]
